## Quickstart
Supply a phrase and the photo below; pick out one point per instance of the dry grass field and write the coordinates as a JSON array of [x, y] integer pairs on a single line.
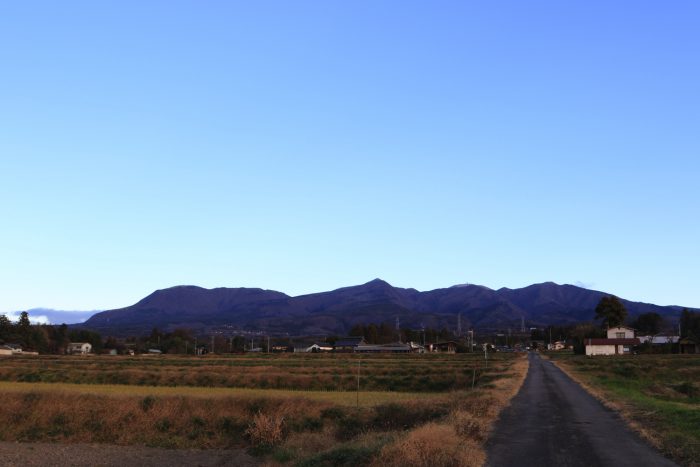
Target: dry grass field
[[659, 395], [285, 409]]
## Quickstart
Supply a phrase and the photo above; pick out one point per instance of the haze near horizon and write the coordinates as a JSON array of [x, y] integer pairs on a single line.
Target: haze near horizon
[[309, 146]]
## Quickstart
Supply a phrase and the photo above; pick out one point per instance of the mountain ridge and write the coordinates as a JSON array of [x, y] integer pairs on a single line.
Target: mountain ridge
[[336, 311]]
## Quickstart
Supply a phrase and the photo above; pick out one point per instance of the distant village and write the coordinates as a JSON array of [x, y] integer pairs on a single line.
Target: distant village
[[645, 334]]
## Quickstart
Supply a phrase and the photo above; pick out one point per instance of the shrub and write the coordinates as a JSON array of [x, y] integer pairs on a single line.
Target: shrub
[[147, 403], [468, 425], [265, 430], [428, 446]]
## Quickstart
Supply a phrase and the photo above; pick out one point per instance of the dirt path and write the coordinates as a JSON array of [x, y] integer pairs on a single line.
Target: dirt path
[[553, 421], [100, 455]]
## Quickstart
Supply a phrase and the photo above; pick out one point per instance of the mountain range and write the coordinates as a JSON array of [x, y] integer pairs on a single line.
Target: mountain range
[[335, 312]]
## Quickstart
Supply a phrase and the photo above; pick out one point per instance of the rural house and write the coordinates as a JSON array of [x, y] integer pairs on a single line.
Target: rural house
[[348, 344], [620, 332], [659, 340], [315, 348], [396, 347], [444, 347], [12, 348], [79, 348], [620, 341], [689, 346], [558, 345]]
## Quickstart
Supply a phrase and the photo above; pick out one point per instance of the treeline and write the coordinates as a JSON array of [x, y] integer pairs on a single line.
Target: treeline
[[384, 333], [44, 338], [180, 341]]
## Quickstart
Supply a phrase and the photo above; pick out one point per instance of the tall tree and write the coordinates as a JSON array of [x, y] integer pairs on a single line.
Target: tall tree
[[648, 324], [690, 324], [611, 310], [5, 327]]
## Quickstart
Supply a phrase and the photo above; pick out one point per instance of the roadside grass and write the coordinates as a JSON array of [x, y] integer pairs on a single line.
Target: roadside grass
[[659, 395], [446, 423]]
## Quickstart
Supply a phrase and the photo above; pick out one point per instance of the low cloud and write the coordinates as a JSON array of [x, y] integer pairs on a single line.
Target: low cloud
[[585, 285], [34, 319]]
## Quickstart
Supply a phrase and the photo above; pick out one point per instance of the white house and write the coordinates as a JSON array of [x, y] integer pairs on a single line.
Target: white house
[[620, 341], [13, 348], [314, 348], [558, 345], [79, 348], [620, 332]]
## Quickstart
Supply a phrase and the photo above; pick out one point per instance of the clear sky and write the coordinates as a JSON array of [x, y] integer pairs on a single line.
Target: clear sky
[[304, 146]]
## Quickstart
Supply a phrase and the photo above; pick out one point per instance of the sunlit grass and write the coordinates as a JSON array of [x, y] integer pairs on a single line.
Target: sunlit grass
[[344, 398]]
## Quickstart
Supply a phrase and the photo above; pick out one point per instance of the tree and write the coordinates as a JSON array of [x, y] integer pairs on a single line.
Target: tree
[[611, 310], [690, 324], [5, 327], [648, 324], [23, 322]]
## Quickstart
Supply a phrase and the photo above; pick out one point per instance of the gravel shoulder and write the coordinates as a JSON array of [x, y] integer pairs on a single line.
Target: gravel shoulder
[[94, 455]]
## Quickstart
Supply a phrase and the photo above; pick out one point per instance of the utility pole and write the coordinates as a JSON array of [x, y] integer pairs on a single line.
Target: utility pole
[[195, 347], [268, 344], [459, 325], [212, 344], [358, 383]]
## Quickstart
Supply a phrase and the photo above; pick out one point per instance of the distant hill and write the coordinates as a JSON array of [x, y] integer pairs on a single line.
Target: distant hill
[[335, 312]]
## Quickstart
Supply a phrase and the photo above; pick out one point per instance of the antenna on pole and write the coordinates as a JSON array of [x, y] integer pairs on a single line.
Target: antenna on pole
[[398, 328]]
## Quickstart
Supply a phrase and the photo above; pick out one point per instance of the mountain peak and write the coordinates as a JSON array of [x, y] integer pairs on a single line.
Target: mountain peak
[[378, 282]]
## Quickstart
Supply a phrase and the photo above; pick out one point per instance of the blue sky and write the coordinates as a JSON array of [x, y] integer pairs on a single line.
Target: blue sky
[[305, 146]]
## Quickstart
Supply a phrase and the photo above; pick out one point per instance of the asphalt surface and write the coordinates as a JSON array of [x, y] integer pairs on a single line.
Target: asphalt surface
[[553, 421]]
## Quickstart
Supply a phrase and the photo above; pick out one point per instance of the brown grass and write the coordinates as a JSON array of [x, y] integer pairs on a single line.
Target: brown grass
[[430, 445], [266, 430], [442, 427], [160, 421], [459, 439]]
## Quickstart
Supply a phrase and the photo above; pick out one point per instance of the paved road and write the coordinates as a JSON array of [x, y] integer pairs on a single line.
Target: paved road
[[552, 421]]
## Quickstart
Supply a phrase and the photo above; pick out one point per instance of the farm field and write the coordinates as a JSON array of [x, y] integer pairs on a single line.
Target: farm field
[[658, 394], [315, 372], [284, 409]]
